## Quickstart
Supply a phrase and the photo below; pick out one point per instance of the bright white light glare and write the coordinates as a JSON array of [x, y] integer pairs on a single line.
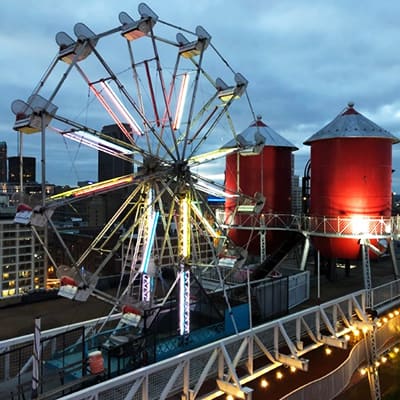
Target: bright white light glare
[[343, 266], [328, 351], [95, 142], [181, 102], [359, 224], [264, 383]]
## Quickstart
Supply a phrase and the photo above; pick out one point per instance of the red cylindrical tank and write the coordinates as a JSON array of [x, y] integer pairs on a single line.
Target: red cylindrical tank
[[351, 176], [264, 167]]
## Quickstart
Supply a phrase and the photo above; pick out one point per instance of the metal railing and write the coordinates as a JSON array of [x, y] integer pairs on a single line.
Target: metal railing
[[58, 363], [192, 375], [352, 227], [330, 385]]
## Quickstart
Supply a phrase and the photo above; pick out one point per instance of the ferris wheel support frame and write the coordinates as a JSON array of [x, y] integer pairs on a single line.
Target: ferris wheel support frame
[[184, 233], [176, 151]]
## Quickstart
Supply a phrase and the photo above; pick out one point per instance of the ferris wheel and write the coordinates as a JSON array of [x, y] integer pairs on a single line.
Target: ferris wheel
[[175, 99]]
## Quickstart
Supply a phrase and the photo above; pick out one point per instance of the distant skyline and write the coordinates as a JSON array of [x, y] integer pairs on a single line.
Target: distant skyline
[[304, 61]]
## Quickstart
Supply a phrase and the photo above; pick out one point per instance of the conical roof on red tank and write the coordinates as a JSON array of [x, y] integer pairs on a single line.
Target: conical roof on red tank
[[351, 124], [258, 133]]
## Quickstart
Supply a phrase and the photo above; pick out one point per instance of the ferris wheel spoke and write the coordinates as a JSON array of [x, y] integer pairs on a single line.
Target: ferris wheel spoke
[[68, 70], [204, 123], [167, 122], [203, 109], [95, 138], [212, 155], [82, 192], [113, 225], [201, 216], [143, 117], [169, 218], [227, 94], [154, 105], [46, 75], [166, 98], [139, 91], [205, 185], [193, 100], [205, 135]]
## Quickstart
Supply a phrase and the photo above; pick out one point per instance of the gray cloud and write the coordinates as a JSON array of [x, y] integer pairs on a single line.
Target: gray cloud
[[304, 61]]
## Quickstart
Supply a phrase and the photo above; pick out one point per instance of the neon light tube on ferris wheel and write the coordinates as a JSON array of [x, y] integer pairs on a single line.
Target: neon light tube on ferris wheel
[[121, 108], [150, 241], [96, 142], [185, 229], [211, 155], [181, 102], [110, 111], [204, 187], [102, 186], [94, 187]]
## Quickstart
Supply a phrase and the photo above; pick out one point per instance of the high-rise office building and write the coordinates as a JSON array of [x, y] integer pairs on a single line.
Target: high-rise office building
[[109, 166], [28, 169], [3, 162], [21, 260]]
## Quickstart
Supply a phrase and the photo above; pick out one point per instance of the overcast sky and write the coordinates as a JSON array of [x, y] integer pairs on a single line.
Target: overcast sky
[[304, 60]]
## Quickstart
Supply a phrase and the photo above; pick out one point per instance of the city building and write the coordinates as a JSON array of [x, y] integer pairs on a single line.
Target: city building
[[3, 161], [21, 259], [22, 262], [296, 195], [31, 193], [110, 166], [28, 169]]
